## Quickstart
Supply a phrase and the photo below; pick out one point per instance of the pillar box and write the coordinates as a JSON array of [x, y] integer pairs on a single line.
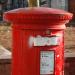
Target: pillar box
[[38, 40]]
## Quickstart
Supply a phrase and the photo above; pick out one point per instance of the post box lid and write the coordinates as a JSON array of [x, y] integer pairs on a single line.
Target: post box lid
[[38, 15]]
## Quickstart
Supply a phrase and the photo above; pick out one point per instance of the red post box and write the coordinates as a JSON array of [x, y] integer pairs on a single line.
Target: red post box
[[38, 40]]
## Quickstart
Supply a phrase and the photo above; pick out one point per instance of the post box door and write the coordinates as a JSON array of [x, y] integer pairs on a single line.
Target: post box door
[[41, 52]]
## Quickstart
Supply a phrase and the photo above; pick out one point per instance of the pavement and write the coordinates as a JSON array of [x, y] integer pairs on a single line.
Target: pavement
[[4, 53]]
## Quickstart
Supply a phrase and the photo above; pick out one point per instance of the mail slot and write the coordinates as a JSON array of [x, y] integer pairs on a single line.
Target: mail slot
[[38, 40]]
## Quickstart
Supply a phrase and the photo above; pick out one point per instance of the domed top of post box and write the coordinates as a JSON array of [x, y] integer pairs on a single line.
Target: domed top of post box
[[54, 18]]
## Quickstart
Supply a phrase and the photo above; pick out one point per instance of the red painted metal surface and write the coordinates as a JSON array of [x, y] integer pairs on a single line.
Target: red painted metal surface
[[30, 23]]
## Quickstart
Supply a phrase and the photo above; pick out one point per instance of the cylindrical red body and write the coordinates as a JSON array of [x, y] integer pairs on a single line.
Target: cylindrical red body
[[38, 40]]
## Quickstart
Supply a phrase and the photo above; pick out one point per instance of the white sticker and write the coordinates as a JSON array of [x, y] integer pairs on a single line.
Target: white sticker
[[47, 62]]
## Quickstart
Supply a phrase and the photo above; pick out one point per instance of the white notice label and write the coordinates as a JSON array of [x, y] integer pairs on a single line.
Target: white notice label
[[46, 41], [47, 62], [43, 41]]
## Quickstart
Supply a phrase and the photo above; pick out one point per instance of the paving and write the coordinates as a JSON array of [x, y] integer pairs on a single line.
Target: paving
[[4, 53]]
